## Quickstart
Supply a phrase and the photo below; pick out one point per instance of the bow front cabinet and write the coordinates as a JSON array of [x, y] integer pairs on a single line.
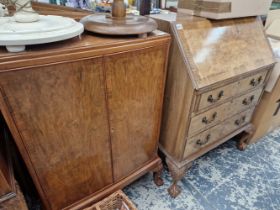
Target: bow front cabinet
[[85, 113]]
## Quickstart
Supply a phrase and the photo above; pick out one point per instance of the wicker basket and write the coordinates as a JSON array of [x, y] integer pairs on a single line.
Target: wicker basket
[[6, 2], [116, 201]]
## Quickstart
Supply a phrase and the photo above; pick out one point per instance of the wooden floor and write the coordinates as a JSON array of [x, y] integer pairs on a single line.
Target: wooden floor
[[17, 203]]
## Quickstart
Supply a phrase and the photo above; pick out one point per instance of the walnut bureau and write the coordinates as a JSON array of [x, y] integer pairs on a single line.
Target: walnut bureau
[[85, 114], [216, 74]]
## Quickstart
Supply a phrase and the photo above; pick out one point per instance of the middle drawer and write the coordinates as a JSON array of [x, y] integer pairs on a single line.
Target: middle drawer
[[213, 116]]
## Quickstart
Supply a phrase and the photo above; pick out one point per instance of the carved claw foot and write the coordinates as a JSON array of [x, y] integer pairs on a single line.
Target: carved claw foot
[[174, 190], [242, 143], [157, 179], [157, 175], [177, 173]]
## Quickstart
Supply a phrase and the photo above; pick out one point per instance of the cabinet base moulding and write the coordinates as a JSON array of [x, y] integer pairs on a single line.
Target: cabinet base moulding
[[153, 166]]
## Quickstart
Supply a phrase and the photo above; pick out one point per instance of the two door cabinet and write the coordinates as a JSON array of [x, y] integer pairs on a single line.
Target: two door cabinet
[[85, 113]]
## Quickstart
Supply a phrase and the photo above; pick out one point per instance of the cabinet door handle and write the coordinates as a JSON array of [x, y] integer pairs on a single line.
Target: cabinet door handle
[[208, 121], [255, 82], [240, 121], [203, 142], [248, 101], [213, 100]]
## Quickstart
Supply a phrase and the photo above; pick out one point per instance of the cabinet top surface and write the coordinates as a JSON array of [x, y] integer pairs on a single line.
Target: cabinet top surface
[[219, 50], [88, 45]]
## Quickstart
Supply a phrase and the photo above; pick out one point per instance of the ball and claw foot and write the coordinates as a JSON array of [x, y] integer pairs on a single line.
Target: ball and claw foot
[[157, 179], [157, 175], [241, 145], [177, 173], [174, 190], [243, 142]]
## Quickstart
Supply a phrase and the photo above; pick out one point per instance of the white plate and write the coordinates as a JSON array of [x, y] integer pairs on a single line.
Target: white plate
[[48, 29]]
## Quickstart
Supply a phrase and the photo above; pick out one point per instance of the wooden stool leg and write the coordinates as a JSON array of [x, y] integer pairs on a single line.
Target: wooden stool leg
[[242, 143], [157, 175], [177, 174]]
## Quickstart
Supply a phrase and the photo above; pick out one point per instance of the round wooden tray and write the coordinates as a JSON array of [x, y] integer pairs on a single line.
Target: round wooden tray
[[129, 25]]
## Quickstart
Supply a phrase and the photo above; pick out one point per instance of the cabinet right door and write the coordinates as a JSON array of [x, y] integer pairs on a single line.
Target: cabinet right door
[[135, 84]]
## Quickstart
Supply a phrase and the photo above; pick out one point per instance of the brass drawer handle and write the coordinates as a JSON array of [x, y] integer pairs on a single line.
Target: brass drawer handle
[[248, 101], [206, 121], [212, 100], [201, 143], [240, 121], [255, 82]]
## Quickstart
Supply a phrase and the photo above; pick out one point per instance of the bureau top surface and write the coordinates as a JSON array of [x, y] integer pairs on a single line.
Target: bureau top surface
[[219, 50], [88, 45]]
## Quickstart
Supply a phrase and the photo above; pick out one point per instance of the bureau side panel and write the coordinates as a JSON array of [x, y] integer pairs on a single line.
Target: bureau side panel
[[60, 114], [177, 104], [135, 85]]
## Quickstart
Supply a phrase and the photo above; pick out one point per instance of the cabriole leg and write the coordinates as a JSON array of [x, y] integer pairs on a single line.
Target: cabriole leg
[[242, 143], [177, 174], [157, 175]]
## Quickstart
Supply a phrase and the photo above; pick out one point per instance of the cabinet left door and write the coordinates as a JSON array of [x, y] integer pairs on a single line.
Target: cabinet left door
[[57, 115]]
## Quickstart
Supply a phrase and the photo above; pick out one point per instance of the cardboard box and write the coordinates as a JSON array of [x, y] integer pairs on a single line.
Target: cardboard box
[[223, 9], [267, 115]]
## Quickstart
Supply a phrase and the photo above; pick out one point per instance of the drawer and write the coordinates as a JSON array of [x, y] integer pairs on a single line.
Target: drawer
[[217, 95], [222, 112], [245, 101], [216, 133], [209, 118]]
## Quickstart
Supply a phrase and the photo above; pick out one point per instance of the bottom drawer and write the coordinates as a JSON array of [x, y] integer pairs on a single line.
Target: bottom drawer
[[217, 132]]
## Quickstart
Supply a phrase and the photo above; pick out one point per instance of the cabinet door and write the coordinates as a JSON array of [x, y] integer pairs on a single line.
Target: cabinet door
[[135, 84], [60, 114]]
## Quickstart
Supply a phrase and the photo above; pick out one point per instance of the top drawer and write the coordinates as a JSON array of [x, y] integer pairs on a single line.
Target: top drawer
[[212, 97]]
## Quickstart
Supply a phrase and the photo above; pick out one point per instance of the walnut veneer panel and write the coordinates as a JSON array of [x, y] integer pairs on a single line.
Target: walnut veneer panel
[[61, 115], [220, 50], [177, 104], [135, 84]]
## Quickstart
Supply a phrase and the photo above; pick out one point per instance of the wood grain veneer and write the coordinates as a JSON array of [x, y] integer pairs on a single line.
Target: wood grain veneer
[[85, 113]]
